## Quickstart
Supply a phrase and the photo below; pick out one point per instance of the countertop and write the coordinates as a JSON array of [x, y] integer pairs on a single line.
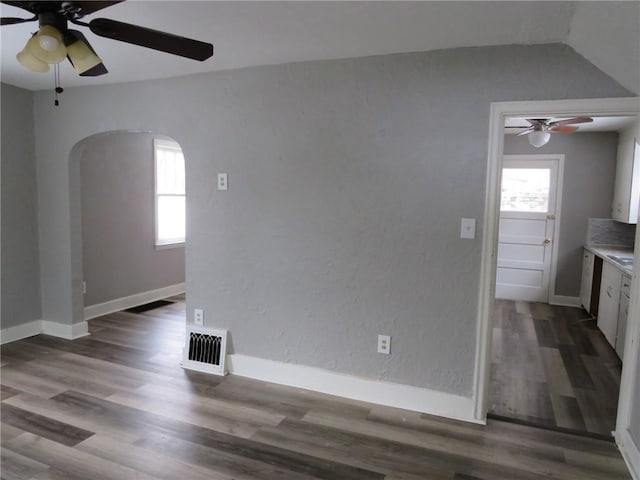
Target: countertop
[[603, 251]]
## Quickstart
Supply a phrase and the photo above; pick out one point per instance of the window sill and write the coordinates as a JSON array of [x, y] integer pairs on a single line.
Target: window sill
[[168, 246]]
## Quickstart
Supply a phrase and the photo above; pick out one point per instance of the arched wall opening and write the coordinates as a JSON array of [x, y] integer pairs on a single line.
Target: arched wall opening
[[115, 261]]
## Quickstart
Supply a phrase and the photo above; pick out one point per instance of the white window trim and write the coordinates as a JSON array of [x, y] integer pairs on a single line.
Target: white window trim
[[171, 242]]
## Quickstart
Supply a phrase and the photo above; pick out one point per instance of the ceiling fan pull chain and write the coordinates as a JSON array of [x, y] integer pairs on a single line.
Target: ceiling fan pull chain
[[58, 88]]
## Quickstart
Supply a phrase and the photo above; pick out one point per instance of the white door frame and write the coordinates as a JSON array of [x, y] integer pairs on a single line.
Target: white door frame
[[557, 108], [557, 201]]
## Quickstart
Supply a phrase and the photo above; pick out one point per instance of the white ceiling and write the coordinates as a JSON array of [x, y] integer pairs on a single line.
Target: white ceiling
[[263, 32]]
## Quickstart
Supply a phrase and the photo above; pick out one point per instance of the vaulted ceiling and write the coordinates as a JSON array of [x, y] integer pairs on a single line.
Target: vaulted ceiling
[[262, 33]]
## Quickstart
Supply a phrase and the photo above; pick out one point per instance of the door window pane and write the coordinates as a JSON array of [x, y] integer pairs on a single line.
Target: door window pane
[[525, 190]]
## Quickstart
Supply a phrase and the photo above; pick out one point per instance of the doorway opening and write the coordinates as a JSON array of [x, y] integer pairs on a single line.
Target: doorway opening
[[488, 307], [550, 365], [124, 265]]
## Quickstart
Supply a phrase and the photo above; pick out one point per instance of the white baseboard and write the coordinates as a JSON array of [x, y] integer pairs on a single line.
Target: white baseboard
[[630, 453], [69, 332], [131, 301], [373, 391], [19, 332], [565, 301], [37, 327]]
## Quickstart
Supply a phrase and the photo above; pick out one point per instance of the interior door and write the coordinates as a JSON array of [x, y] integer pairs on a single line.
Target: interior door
[[527, 222]]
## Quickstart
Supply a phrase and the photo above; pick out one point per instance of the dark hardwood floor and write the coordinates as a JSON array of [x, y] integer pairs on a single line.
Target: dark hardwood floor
[[552, 367], [117, 405]]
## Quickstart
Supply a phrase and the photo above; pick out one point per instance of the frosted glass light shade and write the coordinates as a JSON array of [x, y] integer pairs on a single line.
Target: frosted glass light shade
[[538, 138], [32, 63], [81, 56], [47, 45]]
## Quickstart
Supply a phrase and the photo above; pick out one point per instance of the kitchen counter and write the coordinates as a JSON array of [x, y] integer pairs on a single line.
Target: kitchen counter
[[603, 251]]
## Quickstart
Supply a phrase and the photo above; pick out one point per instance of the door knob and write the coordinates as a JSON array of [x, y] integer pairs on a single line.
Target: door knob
[[547, 241]]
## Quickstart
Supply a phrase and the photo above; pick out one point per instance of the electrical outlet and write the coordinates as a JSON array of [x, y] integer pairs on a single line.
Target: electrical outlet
[[198, 316], [384, 344], [222, 181]]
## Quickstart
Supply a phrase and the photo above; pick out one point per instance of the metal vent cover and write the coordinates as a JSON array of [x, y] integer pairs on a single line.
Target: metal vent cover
[[205, 350]]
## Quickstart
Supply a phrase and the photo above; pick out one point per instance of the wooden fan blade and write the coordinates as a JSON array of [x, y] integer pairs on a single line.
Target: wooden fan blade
[[146, 37], [563, 129], [28, 6], [14, 20], [571, 121], [528, 130]]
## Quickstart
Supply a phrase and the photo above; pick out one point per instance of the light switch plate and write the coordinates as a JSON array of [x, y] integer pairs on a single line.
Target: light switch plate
[[222, 181], [468, 228]]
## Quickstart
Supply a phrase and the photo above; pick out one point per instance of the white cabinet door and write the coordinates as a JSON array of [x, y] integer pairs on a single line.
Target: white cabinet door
[[622, 315], [609, 302], [587, 279], [626, 193]]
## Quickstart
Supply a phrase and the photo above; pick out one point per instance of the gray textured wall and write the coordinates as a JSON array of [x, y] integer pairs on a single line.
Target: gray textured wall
[[20, 257], [118, 236], [587, 191], [347, 182]]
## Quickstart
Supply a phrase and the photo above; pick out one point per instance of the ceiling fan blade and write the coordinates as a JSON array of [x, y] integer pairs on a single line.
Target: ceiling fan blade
[[563, 129], [89, 7], [154, 39], [14, 20], [528, 130], [571, 121], [96, 71], [28, 6]]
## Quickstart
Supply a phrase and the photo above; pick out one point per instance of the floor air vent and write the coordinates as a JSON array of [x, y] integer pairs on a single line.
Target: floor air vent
[[205, 350]]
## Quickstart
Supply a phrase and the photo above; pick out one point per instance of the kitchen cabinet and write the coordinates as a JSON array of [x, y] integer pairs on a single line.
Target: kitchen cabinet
[[587, 280], [623, 314], [609, 304], [626, 193]]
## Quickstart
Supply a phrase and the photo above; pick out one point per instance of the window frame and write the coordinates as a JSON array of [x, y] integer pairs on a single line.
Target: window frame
[[162, 244]]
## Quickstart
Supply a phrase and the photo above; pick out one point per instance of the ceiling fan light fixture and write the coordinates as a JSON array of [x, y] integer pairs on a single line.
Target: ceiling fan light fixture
[[32, 63], [47, 45], [538, 138], [82, 57]]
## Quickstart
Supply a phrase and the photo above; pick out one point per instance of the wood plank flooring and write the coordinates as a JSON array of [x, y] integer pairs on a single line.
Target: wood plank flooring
[[552, 367], [116, 405]]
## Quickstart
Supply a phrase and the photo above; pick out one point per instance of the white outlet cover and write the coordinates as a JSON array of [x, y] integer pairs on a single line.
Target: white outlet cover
[[198, 316], [384, 344], [222, 181]]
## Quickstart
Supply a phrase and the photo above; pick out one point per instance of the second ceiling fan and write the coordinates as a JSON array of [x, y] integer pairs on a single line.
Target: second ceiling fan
[[539, 130]]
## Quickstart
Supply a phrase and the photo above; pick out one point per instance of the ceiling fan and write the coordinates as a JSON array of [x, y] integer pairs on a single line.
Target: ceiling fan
[[54, 41], [539, 130]]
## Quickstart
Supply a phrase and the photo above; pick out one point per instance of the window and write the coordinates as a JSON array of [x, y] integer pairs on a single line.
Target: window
[[525, 190], [169, 193]]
